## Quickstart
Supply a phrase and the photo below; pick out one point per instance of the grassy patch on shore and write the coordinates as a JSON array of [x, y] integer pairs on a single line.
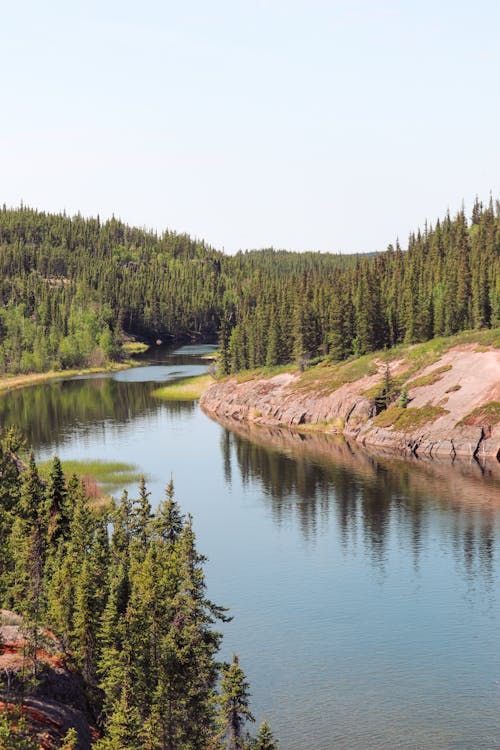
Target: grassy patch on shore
[[11, 382], [487, 414], [244, 376], [188, 389], [101, 478], [388, 417], [326, 377], [433, 377], [109, 474], [408, 419], [135, 347]]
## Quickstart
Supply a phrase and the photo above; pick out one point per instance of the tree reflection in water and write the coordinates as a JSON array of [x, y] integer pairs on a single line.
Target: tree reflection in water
[[310, 476]]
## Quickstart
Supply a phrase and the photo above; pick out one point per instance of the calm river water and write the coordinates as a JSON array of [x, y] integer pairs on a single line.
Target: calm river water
[[365, 591]]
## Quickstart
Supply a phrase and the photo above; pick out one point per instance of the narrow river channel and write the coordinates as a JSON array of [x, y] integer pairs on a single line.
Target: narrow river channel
[[365, 591]]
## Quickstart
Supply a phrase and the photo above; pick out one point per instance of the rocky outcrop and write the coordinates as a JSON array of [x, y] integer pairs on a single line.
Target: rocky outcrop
[[279, 400], [57, 701], [457, 385]]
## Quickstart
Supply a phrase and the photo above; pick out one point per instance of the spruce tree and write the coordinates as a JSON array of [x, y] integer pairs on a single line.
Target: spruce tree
[[265, 739], [56, 504], [234, 702]]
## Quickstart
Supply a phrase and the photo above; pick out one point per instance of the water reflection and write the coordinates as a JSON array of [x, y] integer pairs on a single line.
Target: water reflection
[[86, 404], [372, 496]]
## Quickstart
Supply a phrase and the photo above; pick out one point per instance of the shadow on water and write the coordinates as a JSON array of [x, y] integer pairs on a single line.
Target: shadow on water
[[310, 476]]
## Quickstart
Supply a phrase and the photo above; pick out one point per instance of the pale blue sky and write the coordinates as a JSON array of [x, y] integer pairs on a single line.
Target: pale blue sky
[[304, 125]]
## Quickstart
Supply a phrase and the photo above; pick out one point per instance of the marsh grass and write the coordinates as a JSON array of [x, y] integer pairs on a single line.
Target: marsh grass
[[188, 389], [101, 478], [135, 347]]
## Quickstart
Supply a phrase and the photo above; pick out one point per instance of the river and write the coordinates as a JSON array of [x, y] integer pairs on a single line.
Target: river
[[365, 591]]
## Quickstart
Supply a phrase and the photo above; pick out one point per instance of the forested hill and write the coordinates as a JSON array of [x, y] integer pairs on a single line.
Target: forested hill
[[71, 287]]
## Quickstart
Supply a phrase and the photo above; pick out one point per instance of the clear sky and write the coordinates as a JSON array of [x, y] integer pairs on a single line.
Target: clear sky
[[299, 124]]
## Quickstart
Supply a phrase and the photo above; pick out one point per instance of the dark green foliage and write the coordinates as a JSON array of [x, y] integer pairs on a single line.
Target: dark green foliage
[[14, 732], [265, 739], [70, 288], [131, 612], [403, 399], [235, 712], [70, 740], [386, 391]]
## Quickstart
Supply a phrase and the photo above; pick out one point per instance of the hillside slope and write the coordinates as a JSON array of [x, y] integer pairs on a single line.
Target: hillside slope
[[452, 388]]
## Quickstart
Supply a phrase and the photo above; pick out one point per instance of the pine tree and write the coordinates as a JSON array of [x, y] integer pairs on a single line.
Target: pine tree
[[30, 556], [142, 515], [61, 595], [223, 361], [265, 739], [85, 622], [234, 702], [123, 728], [168, 519], [56, 504], [70, 740]]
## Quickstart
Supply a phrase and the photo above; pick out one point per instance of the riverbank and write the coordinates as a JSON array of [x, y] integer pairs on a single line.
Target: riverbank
[[450, 406], [12, 382]]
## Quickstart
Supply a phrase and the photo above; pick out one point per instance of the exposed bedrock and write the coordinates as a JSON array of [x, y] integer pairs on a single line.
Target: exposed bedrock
[[467, 380]]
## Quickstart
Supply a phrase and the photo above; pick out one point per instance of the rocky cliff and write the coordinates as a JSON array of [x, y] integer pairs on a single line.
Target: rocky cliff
[[451, 406], [56, 701]]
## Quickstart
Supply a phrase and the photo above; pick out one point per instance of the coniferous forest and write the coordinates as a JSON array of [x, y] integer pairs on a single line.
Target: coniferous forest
[[121, 594], [122, 590], [72, 287]]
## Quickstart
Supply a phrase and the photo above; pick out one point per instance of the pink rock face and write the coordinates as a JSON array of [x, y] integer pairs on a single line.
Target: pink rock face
[[467, 380]]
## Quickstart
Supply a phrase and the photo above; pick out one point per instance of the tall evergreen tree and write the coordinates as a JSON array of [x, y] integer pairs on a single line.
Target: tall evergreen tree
[[234, 704]]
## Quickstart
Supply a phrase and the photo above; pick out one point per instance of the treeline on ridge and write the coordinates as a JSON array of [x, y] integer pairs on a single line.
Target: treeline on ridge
[[71, 287]]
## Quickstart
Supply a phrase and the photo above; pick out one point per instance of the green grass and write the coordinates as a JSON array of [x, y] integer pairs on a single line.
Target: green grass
[[109, 475], [326, 377], [244, 376], [487, 414], [413, 417], [135, 347], [409, 418], [389, 416], [433, 377], [11, 381], [188, 389]]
